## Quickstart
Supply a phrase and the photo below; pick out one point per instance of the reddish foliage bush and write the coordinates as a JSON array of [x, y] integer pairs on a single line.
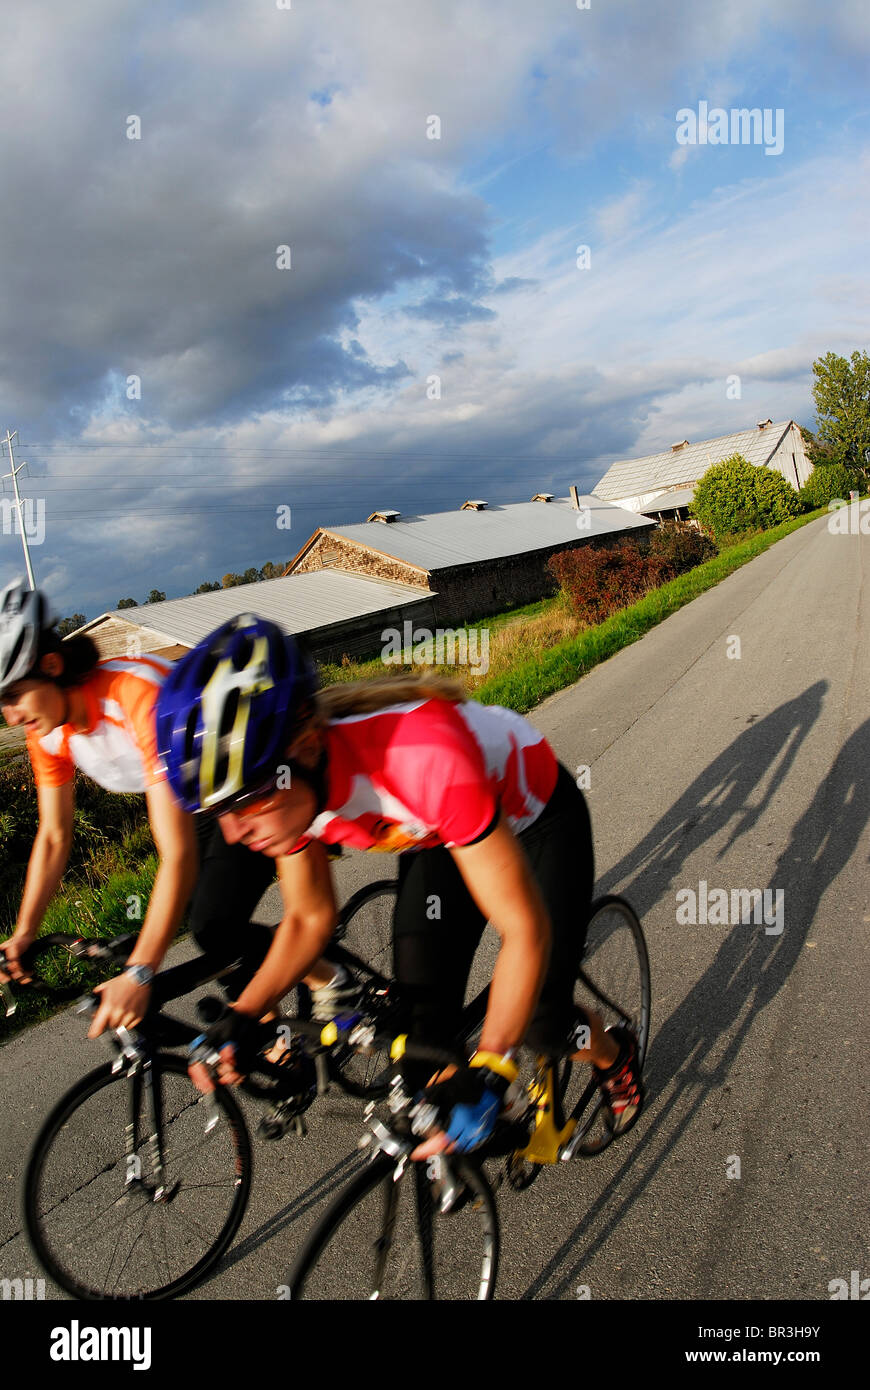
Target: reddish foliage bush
[[599, 581], [675, 548]]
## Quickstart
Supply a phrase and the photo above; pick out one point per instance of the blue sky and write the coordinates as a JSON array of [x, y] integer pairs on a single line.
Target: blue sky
[[310, 387]]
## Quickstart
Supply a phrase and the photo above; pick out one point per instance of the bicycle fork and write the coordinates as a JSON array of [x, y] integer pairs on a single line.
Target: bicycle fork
[[142, 1080]]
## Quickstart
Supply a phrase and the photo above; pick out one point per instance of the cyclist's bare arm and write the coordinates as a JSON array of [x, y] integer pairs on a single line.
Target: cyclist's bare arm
[[123, 1001], [310, 917], [48, 859]]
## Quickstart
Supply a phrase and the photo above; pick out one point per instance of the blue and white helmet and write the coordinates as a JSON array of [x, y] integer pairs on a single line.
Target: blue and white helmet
[[228, 709]]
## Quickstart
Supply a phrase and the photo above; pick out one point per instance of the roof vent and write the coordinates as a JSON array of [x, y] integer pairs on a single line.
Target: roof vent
[[385, 515], [543, 497], [473, 505], [682, 444], [762, 424]]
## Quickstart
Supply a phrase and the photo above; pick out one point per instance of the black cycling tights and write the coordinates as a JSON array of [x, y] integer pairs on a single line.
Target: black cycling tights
[[432, 953]]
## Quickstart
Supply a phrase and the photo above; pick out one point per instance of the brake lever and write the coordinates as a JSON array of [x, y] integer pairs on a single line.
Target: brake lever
[[10, 1003], [202, 1052]]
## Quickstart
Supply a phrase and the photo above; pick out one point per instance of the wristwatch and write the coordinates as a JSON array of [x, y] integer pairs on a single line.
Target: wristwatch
[[142, 974]]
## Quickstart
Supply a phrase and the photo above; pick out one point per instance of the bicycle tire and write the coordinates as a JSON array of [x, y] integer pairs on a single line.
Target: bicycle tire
[[367, 930], [45, 1195], [323, 1270], [616, 982]]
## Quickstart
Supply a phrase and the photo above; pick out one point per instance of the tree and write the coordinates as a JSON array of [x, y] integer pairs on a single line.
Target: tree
[[207, 588], [127, 603], [735, 496], [230, 580], [270, 571], [156, 596], [842, 396], [68, 625]]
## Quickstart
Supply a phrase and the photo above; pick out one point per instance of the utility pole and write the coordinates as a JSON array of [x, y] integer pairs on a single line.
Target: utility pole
[[14, 476]]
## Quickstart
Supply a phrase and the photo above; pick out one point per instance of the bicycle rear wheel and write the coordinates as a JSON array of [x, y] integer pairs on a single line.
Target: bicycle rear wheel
[[614, 982], [387, 1239], [98, 1235]]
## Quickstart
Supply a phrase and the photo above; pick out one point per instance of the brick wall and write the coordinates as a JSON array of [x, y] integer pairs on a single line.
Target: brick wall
[[349, 555]]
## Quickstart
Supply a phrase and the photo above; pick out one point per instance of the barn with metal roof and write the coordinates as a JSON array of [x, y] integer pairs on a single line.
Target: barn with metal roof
[[349, 583], [640, 483], [475, 560]]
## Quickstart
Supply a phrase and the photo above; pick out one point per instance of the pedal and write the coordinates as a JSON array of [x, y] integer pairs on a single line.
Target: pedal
[[284, 1115]]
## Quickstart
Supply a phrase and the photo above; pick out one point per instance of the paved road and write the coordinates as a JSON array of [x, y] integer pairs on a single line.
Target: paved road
[[741, 771]]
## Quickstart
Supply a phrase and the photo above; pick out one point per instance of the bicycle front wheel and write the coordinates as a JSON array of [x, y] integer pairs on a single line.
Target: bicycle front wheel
[[108, 1223], [614, 982], [388, 1239]]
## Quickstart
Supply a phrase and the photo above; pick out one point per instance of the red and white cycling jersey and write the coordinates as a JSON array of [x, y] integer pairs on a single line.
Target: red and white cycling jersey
[[430, 772], [118, 747]]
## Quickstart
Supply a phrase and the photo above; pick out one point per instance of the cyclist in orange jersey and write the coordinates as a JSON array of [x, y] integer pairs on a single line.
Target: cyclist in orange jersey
[[99, 716]]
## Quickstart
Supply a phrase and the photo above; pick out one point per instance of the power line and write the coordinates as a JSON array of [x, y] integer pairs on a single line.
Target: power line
[[351, 454], [201, 484]]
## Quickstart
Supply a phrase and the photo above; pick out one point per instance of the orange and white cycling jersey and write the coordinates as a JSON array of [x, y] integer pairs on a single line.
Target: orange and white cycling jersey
[[118, 747]]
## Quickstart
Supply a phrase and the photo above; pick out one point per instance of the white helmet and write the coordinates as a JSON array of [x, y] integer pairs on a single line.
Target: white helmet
[[24, 616]]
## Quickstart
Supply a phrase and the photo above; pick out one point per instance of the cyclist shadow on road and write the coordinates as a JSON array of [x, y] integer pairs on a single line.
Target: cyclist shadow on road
[[693, 1049]]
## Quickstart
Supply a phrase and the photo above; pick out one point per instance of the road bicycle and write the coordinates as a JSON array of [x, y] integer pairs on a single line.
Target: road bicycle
[[136, 1183], [407, 1230]]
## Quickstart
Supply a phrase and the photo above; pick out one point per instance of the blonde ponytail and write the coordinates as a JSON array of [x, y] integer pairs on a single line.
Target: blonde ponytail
[[363, 697]]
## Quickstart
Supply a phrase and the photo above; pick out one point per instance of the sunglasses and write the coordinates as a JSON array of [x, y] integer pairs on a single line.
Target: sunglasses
[[245, 804]]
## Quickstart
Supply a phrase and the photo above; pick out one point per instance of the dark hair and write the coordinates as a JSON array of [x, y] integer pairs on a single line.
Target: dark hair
[[80, 656]]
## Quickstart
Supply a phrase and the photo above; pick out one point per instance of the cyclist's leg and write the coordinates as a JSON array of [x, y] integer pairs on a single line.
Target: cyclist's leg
[[559, 845], [232, 879], [436, 930], [560, 850]]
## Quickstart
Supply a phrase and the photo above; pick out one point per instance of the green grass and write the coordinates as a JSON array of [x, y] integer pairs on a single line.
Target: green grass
[[94, 907]]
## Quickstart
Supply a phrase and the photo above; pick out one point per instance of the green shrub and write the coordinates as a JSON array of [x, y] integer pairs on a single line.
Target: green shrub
[[736, 496], [826, 482]]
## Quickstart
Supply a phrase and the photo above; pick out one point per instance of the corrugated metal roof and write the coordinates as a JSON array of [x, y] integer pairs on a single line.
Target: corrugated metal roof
[[298, 603], [438, 540], [678, 497], [633, 477]]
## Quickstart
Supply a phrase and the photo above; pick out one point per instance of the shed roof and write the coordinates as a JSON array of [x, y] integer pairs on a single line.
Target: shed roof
[[298, 603], [440, 540], [677, 497], [676, 467]]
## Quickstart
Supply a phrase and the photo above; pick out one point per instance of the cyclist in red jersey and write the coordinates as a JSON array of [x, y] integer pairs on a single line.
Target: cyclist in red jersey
[[488, 826]]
